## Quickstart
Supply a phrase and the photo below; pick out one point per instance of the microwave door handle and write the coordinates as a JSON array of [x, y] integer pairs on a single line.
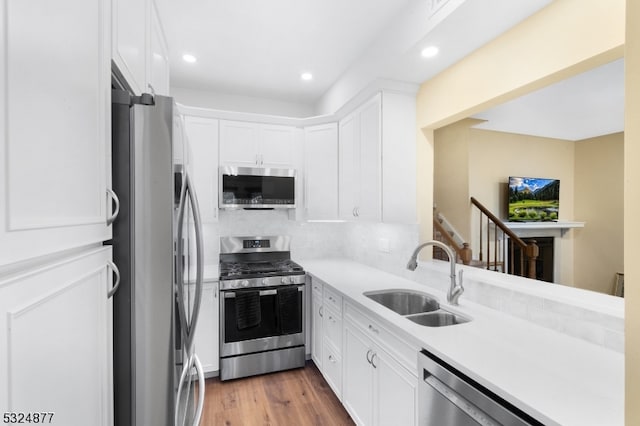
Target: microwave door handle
[[193, 200]]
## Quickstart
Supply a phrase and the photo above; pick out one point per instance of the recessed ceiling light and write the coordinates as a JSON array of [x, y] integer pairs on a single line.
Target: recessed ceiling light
[[306, 76], [429, 52], [189, 58]]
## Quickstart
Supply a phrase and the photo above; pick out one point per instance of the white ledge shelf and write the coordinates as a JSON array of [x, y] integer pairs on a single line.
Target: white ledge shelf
[[531, 227]]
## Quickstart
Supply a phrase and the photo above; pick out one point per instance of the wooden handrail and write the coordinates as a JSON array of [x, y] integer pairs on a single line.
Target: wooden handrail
[[530, 250], [464, 252]]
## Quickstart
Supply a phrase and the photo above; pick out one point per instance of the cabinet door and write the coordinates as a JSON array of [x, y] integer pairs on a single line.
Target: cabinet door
[[129, 26], [158, 56], [316, 330], [238, 143], [55, 159], [357, 376], [321, 172], [56, 329], [277, 146], [369, 190], [396, 392], [207, 330], [349, 166], [203, 138]]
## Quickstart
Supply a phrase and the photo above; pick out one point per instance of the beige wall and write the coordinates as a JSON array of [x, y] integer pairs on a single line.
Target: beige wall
[[599, 198], [631, 213], [564, 39]]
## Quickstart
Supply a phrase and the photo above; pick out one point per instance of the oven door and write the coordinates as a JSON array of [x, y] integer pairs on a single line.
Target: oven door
[[261, 319]]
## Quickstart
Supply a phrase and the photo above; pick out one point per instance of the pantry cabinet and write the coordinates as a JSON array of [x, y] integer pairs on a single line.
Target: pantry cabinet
[[359, 156], [257, 145], [139, 46], [321, 172], [56, 329], [56, 137]]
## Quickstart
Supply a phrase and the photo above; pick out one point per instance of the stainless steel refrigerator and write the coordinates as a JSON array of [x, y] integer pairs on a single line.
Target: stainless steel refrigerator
[[157, 245]]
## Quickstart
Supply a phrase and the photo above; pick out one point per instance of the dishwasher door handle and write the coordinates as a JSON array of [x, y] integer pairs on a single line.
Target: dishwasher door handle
[[460, 402]]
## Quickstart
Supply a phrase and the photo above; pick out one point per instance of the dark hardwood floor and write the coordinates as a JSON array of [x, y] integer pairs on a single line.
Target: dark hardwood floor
[[295, 397]]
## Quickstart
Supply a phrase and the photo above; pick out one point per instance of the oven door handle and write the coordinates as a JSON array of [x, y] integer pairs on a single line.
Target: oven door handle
[[271, 292]]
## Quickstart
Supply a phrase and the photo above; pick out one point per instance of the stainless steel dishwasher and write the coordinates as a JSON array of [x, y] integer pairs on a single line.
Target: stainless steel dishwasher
[[448, 397]]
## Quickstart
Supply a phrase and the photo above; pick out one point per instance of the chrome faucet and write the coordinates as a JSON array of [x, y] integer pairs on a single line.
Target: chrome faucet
[[455, 289]]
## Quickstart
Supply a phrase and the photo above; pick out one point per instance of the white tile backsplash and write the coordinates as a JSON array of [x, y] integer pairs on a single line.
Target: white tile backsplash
[[593, 317]]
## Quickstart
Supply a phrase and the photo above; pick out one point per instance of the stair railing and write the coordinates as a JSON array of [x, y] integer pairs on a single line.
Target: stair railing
[[528, 251], [463, 251]]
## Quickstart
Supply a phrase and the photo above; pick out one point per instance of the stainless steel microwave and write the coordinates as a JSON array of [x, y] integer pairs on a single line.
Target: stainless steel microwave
[[256, 188]]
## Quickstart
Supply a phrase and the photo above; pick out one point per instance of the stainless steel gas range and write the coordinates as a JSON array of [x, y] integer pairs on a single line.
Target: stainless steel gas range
[[262, 294]]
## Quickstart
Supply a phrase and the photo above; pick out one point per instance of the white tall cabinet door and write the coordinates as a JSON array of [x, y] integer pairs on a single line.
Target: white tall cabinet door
[[349, 166], [129, 41], [203, 138], [158, 57], [321, 172], [357, 378], [369, 192], [54, 115], [395, 392], [206, 339], [56, 329], [238, 143], [276, 146]]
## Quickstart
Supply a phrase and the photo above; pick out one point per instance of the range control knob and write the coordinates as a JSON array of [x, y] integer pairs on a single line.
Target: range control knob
[[244, 283], [286, 280]]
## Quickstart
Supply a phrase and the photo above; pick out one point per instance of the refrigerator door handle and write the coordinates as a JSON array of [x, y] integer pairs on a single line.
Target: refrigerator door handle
[[192, 362], [112, 196], [189, 325], [116, 271]]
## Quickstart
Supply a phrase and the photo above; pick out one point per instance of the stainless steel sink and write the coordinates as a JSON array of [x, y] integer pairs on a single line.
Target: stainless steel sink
[[404, 302], [438, 319]]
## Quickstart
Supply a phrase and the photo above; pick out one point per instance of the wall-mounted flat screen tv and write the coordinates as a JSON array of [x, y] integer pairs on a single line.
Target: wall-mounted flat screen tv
[[533, 199]]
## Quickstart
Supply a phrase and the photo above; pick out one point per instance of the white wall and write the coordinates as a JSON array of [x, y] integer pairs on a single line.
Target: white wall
[[229, 102]]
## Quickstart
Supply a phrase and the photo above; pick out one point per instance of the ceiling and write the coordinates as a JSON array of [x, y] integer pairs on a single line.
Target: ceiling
[[259, 49]]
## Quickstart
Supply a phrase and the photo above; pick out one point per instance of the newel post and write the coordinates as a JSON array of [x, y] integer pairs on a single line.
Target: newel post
[[532, 252]]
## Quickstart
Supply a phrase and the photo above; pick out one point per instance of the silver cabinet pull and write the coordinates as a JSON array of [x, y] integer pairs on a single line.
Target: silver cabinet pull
[[320, 310], [111, 195], [369, 353], [332, 359], [372, 328], [373, 355], [116, 271]]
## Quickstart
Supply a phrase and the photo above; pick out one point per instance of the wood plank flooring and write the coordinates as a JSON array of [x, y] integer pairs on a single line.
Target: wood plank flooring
[[297, 397]]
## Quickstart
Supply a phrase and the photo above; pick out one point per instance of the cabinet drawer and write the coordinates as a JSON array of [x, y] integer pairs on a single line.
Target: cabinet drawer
[[333, 299], [403, 352], [316, 286], [332, 327], [332, 368]]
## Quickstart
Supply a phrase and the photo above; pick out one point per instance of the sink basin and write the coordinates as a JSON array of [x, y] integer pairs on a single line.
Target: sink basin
[[404, 302], [438, 319]]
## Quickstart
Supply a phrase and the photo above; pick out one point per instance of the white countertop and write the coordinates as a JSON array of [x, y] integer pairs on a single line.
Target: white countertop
[[556, 378]]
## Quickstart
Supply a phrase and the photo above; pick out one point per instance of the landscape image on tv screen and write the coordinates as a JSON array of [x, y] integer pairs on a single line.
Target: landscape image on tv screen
[[533, 199]]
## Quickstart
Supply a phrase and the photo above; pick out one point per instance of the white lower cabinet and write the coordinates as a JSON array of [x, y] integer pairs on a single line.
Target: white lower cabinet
[[326, 347], [56, 329], [207, 329], [377, 389]]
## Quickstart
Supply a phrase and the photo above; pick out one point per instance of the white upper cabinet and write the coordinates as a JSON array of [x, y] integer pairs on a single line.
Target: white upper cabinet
[[360, 162], [139, 46], [158, 57], [129, 31], [256, 145], [377, 166], [321, 172], [203, 139], [54, 115]]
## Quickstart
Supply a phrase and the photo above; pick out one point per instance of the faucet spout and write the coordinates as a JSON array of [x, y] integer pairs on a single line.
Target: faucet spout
[[455, 289]]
